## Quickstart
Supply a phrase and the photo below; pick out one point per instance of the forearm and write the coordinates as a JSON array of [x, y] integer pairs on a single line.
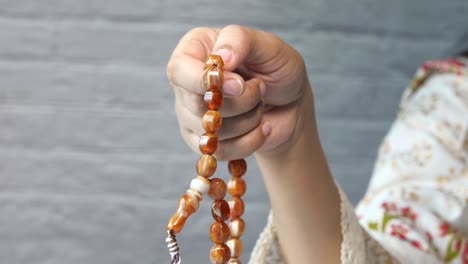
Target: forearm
[[304, 198]]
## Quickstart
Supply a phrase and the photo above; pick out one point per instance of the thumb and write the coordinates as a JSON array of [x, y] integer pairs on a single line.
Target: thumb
[[265, 56], [240, 45]]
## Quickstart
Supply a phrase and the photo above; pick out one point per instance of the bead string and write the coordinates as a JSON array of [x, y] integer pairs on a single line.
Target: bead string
[[237, 188], [221, 210], [173, 247], [219, 231]]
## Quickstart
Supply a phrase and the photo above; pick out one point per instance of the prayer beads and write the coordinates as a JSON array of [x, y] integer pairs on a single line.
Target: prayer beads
[[227, 246], [206, 165], [212, 121], [220, 210], [237, 189], [218, 189], [219, 231], [220, 254], [213, 99], [208, 143]]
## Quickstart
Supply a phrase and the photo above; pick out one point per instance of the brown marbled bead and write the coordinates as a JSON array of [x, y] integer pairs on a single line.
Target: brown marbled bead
[[214, 60], [206, 165], [237, 186], [213, 78], [218, 189], [219, 232], [237, 168], [213, 99], [237, 207], [236, 247], [212, 121], [220, 254], [177, 222], [237, 227], [208, 143], [220, 210], [234, 261], [188, 204]]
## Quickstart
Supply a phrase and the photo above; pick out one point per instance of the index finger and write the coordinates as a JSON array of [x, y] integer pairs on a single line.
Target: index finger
[[186, 65]]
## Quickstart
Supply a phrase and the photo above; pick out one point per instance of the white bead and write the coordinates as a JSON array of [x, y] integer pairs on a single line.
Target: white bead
[[231, 245], [200, 184], [234, 228]]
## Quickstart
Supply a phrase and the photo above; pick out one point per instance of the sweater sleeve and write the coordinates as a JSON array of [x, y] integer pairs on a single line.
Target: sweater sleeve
[[356, 248], [415, 209]]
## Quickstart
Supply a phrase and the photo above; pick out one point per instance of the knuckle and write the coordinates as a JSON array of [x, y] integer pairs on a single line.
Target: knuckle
[[196, 31], [186, 136], [237, 30], [258, 114], [220, 152], [198, 107], [255, 99], [170, 70]]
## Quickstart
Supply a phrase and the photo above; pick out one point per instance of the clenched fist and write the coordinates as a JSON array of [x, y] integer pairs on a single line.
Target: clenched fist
[[267, 93]]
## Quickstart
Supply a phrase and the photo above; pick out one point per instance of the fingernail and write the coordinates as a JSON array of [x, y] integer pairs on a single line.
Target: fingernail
[[266, 129], [225, 54], [232, 87]]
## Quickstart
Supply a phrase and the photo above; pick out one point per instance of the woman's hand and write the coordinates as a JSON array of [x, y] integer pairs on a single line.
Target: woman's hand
[[269, 110], [265, 85]]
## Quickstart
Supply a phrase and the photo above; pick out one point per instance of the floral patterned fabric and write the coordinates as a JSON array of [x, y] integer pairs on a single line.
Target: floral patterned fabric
[[415, 209], [418, 195]]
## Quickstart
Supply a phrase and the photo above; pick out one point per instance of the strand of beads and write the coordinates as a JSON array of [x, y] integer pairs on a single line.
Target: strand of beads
[[206, 166], [188, 205], [237, 188], [219, 230]]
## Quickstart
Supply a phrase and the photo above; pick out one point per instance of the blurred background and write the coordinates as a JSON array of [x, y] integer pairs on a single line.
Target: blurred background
[[91, 160]]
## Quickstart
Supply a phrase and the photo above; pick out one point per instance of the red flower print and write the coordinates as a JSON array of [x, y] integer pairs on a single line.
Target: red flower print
[[417, 245], [408, 213], [455, 62], [464, 255], [442, 64], [444, 229], [457, 246], [429, 236], [389, 206], [399, 231]]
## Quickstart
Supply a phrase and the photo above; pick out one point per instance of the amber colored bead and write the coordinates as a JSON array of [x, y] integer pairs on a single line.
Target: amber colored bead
[[213, 78], [208, 143], [177, 222], [219, 232], [196, 193], [237, 207], [236, 247], [237, 227], [212, 121], [220, 254], [215, 60], [206, 165], [218, 189], [234, 261], [237, 168], [213, 99], [237, 186], [188, 204], [220, 210]]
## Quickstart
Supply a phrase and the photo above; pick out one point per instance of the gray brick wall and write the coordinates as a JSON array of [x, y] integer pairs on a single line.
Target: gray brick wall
[[91, 163]]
